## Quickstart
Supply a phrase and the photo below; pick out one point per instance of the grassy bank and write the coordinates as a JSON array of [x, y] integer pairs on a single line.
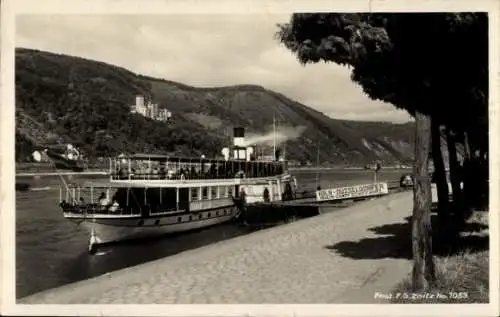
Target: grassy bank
[[461, 278], [462, 272]]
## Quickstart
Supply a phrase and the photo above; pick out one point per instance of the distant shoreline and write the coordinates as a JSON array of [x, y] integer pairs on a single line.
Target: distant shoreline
[[309, 168], [44, 168], [63, 173], [34, 169]]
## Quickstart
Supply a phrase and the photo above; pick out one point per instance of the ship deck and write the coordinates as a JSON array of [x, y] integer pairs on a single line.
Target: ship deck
[[176, 183]]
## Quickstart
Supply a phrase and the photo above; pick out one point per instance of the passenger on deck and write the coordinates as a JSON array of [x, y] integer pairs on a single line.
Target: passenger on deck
[[119, 197], [103, 199], [162, 173], [114, 206], [266, 195], [140, 172], [122, 173], [155, 172], [212, 171], [243, 196]]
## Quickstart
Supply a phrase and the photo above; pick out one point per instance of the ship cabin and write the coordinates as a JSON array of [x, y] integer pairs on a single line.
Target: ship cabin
[[106, 199]]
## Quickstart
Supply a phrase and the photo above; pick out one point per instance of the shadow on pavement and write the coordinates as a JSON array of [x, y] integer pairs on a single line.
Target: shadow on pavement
[[395, 242]]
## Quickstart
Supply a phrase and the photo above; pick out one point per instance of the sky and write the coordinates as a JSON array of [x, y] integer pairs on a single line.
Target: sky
[[205, 51]]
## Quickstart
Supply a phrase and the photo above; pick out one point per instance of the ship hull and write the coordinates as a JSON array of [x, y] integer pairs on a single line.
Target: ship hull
[[109, 230]]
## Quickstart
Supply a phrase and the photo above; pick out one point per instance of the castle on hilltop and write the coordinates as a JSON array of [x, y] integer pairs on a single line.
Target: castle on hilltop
[[149, 109]]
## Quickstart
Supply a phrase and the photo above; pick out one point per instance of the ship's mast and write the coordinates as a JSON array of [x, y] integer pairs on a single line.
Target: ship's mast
[[274, 134], [284, 151], [317, 166]]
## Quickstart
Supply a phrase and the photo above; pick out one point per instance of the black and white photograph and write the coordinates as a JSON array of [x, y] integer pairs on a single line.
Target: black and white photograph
[[283, 155]]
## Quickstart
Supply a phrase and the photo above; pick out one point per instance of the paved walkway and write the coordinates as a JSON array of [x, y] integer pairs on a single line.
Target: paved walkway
[[315, 260]]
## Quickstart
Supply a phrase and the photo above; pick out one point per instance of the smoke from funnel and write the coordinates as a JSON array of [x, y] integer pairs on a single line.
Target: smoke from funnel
[[285, 133]]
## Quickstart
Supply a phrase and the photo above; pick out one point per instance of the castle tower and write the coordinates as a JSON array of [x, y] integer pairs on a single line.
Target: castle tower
[[139, 104]]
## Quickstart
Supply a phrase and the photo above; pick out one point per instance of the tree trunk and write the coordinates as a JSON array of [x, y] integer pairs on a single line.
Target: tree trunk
[[439, 170], [423, 263], [443, 228], [467, 148], [456, 177], [470, 171], [455, 169]]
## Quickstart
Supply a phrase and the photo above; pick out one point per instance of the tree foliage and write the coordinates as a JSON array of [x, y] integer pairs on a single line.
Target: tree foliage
[[436, 62], [433, 65]]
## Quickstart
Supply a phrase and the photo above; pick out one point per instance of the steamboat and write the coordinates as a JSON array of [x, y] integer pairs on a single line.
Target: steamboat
[[149, 194]]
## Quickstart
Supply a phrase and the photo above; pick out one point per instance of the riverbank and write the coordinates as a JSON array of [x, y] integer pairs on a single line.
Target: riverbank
[[336, 257]]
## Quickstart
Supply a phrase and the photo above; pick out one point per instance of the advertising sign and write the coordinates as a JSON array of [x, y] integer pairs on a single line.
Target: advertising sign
[[358, 191]]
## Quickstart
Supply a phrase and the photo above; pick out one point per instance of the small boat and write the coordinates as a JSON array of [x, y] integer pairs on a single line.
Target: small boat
[[149, 195]]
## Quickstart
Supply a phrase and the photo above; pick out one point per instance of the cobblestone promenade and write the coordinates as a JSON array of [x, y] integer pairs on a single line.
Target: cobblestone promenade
[[316, 260]]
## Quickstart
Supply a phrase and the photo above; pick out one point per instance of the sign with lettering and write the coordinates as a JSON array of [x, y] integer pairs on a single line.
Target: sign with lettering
[[358, 191]]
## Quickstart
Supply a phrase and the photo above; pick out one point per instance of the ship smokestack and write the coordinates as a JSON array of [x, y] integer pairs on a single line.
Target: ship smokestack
[[239, 148], [239, 137]]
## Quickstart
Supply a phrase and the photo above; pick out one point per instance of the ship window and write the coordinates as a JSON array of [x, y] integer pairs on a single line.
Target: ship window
[[169, 198], [214, 192], [230, 191], [222, 191], [209, 215], [200, 216], [194, 194], [179, 219], [157, 222], [204, 193], [217, 213], [190, 218], [141, 222]]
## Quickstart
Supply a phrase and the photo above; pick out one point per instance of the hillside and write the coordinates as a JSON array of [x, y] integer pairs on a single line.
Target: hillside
[[70, 99]]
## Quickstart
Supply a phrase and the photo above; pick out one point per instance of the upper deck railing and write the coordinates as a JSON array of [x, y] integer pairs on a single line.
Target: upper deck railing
[[165, 168]]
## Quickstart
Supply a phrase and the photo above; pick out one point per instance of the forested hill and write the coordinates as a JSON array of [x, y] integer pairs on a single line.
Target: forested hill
[[61, 98]]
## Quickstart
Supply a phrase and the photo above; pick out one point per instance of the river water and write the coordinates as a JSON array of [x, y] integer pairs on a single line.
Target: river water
[[51, 251]]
